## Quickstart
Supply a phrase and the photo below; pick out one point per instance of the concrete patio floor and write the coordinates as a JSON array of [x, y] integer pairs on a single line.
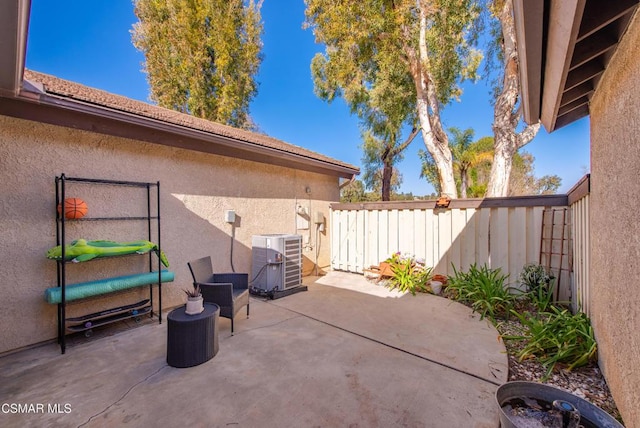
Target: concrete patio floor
[[337, 355]]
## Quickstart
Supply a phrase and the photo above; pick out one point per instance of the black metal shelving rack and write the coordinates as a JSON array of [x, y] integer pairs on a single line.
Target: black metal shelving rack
[[61, 221]]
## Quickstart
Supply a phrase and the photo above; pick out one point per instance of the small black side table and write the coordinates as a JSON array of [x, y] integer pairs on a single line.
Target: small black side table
[[192, 339]]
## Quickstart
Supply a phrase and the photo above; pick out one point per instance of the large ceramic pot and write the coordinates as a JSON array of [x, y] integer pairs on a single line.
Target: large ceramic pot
[[532, 404]]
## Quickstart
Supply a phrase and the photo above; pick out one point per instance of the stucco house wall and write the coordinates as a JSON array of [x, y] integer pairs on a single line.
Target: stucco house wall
[[615, 226], [196, 189]]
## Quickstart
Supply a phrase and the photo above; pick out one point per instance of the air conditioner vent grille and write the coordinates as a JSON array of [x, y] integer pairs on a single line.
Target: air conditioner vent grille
[[276, 262]]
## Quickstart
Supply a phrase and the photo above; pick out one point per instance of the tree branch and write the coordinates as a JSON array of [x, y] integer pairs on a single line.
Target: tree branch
[[527, 134], [406, 143]]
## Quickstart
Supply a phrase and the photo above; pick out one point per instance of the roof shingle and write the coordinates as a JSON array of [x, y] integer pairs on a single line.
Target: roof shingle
[[75, 91]]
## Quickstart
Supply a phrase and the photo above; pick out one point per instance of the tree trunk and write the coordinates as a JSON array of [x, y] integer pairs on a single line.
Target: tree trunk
[[505, 114], [440, 152], [387, 173], [435, 139], [501, 167], [464, 183]]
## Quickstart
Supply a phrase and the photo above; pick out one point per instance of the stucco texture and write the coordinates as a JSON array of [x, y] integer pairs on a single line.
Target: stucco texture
[[195, 190], [615, 227]]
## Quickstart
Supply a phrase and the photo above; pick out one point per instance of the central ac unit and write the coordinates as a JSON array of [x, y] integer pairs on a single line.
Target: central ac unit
[[276, 262]]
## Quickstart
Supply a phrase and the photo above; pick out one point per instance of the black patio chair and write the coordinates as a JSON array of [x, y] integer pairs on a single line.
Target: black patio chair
[[230, 291]]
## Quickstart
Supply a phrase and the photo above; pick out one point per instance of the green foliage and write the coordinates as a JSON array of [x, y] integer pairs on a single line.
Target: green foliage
[[548, 185], [369, 44], [202, 56], [552, 335], [557, 337], [429, 171], [538, 284], [408, 274], [380, 156], [467, 157], [534, 276], [484, 289], [194, 292], [542, 296], [355, 192], [386, 58], [522, 180]]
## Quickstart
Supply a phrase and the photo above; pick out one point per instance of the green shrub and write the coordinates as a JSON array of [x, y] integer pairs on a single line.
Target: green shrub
[[484, 289], [542, 296], [408, 274], [557, 337]]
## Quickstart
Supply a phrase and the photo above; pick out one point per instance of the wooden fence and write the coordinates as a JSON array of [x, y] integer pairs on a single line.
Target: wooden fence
[[498, 232], [504, 233], [579, 203]]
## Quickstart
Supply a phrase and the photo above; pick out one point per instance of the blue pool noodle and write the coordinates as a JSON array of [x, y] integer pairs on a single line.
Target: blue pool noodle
[[83, 290]]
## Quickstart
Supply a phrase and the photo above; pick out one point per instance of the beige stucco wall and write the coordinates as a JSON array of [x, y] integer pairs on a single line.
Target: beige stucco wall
[[196, 189], [615, 224]]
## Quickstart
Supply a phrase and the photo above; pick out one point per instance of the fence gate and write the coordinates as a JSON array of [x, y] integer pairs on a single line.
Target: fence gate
[[555, 249]]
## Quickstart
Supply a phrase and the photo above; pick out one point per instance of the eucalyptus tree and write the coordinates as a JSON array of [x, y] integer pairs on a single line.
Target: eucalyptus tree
[[202, 56], [380, 156], [418, 49], [507, 108], [383, 112]]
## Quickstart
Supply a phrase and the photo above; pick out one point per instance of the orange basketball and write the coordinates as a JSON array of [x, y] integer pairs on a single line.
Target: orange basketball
[[74, 208]]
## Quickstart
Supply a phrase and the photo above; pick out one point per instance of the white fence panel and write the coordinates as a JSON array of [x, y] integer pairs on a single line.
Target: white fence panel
[[483, 242], [506, 237], [372, 236], [581, 255], [499, 239], [468, 239]]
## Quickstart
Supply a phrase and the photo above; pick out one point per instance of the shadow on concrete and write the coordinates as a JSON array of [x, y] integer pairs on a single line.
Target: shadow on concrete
[[325, 357]]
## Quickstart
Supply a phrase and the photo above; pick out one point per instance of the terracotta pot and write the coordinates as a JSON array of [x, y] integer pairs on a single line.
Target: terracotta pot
[[385, 269], [440, 278]]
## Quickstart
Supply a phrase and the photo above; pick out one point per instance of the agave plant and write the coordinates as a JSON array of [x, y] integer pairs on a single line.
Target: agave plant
[[534, 276], [539, 285], [194, 292]]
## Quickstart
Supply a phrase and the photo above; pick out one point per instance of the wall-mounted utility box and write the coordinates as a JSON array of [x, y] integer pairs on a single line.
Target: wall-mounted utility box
[[302, 217], [230, 216]]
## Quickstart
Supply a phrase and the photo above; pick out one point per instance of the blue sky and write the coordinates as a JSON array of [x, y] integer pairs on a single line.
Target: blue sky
[[89, 42]]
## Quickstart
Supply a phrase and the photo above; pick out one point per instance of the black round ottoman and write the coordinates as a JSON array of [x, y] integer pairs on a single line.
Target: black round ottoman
[[192, 339]]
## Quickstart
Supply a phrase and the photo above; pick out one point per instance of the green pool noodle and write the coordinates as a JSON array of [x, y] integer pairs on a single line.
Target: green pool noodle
[[83, 290]]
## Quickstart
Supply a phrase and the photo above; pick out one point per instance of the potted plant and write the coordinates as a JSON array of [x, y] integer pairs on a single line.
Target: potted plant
[[408, 273], [195, 303]]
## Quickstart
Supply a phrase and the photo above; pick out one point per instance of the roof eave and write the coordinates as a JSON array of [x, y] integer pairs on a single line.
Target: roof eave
[[565, 18], [61, 111], [14, 25], [529, 23], [545, 55]]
